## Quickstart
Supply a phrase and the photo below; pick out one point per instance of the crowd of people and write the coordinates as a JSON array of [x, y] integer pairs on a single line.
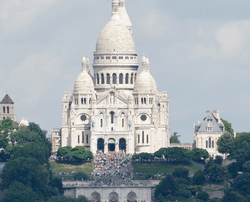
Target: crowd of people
[[113, 168]]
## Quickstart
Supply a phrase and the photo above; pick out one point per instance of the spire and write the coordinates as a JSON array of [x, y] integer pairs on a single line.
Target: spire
[[84, 63], [6, 100], [115, 7], [144, 63], [124, 16], [87, 64], [147, 63]]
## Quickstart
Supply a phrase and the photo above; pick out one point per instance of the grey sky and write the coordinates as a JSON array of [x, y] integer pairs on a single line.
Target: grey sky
[[198, 51]]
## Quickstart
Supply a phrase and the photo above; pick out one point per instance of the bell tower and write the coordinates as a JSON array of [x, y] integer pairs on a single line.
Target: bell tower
[[7, 108]]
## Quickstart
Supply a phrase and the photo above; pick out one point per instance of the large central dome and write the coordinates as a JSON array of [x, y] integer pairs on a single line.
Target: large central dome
[[115, 37]]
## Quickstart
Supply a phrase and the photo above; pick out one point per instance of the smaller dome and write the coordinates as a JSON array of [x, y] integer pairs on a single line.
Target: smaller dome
[[84, 83], [145, 82]]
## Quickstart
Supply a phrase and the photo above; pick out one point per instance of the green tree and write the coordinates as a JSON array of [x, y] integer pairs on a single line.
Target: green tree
[[246, 166], [226, 144], [199, 177], [203, 196], [180, 172], [215, 172], [198, 154], [233, 169], [29, 172], [135, 156], [174, 138], [166, 187], [241, 184], [19, 192], [231, 196], [146, 156], [64, 152], [228, 126], [218, 160], [177, 153]]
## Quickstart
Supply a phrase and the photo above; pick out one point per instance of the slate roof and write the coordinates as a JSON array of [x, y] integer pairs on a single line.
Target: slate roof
[[6, 100], [202, 127]]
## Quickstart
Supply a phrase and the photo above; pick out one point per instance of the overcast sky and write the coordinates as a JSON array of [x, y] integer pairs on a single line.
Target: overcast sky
[[199, 53]]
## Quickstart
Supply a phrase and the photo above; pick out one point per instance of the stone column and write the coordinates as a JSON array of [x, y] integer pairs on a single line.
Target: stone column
[[116, 144], [105, 147]]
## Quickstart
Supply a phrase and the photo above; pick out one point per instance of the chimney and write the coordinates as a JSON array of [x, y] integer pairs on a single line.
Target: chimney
[[216, 114], [207, 112]]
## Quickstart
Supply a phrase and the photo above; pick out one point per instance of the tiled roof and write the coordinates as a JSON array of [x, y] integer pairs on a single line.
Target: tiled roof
[[6, 100], [216, 126]]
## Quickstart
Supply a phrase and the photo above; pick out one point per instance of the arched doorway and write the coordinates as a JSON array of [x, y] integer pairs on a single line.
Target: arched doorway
[[111, 144], [131, 197], [122, 144], [113, 197], [100, 144], [95, 197]]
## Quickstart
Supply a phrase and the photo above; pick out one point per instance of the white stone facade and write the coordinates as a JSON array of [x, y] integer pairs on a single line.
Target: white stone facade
[[206, 134], [116, 109], [55, 139]]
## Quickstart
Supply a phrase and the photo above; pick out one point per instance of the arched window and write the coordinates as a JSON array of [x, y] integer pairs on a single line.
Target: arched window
[[102, 78], [78, 139], [132, 78], [108, 78], [142, 137], [126, 79], [121, 79], [101, 123], [85, 101], [138, 138], [206, 144], [122, 122], [147, 139], [142, 100], [3, 109], [114, 78], [210, 142], [87, 139], [81, 100], [97, 78], [82, 137], [112, 117], [145, 101]]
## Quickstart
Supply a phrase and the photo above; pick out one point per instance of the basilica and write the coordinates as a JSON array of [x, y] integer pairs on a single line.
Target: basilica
[[117, 108]]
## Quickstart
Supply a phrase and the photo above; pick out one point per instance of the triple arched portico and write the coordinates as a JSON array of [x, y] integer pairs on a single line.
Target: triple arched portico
[[111, 144], [114, 197]]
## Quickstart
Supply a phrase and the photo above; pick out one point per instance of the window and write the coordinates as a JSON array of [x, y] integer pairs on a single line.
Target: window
[[112, 117], [126, 79], [212, 144], [132, 75], [3, 109], [102, 78], [139, 139], [97, 58], [101, 123], [145, 101], [85, 101], [83, 117], [114, 78], [142, 100], [81, 100], [89, 100], [78, 139], [131, 58], [108, 78], [97, 78], [120, 57], [143, 117], [82, 137], [135, 76], [126, 58], [142, 137], [206, 144], [147, 139], [123, 123], [121, 79], [87, 139], [108, 57], [114, 57], [76, 102], [102, 57]]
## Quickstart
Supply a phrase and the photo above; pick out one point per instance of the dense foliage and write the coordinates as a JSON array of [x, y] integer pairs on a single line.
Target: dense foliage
[[174, 138], [78, 153]]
